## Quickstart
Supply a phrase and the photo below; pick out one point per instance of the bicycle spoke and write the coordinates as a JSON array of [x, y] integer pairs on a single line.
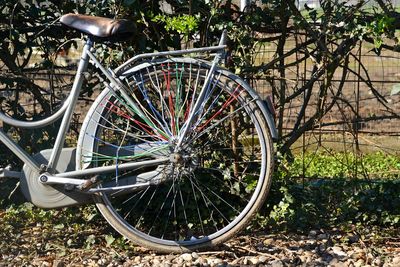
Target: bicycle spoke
[[160, 210], [114, 127], [217, 123], [171, 210], [197, 206], [183, 204], [210, 202], [134, 206], [157, 86], [148, 123]]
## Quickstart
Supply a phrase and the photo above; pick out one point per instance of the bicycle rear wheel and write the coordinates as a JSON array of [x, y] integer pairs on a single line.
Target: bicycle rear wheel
[[208, 189]]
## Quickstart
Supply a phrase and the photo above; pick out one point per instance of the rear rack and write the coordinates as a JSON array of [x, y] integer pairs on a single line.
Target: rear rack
[[221, 46], [128, 63]]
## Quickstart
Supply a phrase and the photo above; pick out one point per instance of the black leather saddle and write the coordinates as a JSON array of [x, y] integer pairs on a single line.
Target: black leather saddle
[[102, 28]]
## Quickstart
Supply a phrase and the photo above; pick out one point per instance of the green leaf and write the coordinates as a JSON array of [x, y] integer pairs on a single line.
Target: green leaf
[[90, 217], [90, 240], [59, 226], [109, 240], [395, 89], [378, 42]]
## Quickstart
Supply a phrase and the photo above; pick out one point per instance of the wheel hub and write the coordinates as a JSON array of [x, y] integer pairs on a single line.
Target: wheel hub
[[184, 160], [176, 158]]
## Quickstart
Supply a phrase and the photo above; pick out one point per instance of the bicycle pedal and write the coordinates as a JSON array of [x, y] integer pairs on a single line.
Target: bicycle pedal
[[89, 183], [7, 173]]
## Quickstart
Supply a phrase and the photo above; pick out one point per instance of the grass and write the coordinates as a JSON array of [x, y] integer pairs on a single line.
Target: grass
[[375, 166]]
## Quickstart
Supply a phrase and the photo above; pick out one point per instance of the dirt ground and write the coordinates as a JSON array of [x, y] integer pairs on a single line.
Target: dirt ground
[[31, 247]]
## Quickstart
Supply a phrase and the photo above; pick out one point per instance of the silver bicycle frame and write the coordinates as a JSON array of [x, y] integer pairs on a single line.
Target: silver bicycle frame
[[68, 107]]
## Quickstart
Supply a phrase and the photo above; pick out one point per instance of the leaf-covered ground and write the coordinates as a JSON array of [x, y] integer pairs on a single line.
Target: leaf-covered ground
[[79, 237]]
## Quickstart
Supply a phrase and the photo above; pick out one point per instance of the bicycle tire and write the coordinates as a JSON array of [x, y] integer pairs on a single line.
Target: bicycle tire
[[222, 175]]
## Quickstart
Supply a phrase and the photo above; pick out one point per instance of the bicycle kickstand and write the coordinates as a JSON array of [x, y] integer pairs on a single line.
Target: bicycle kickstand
[[7, 173]]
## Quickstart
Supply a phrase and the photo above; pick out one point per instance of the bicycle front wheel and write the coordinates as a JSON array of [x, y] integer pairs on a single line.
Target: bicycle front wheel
[[207, 189]]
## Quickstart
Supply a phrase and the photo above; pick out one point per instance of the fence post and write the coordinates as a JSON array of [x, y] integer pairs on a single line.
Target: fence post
[[244, 4]]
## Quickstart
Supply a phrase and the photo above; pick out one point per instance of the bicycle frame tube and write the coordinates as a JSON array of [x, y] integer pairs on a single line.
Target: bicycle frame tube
[[111, 168], [202, 93], [76, 87], [17, 150], [36, 124]]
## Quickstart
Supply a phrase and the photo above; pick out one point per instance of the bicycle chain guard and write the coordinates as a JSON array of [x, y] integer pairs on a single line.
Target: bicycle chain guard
[[51, 196]]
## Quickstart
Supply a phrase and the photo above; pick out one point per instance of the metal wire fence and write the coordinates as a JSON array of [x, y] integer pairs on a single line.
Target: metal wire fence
[[359, 124], [317, 3]]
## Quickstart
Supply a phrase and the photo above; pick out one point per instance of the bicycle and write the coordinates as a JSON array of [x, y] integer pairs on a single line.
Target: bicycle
[[176, 152]]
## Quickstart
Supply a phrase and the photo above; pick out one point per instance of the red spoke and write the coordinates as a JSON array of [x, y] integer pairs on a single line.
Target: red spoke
[[167, 78], [233, 97], [117, 110]]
